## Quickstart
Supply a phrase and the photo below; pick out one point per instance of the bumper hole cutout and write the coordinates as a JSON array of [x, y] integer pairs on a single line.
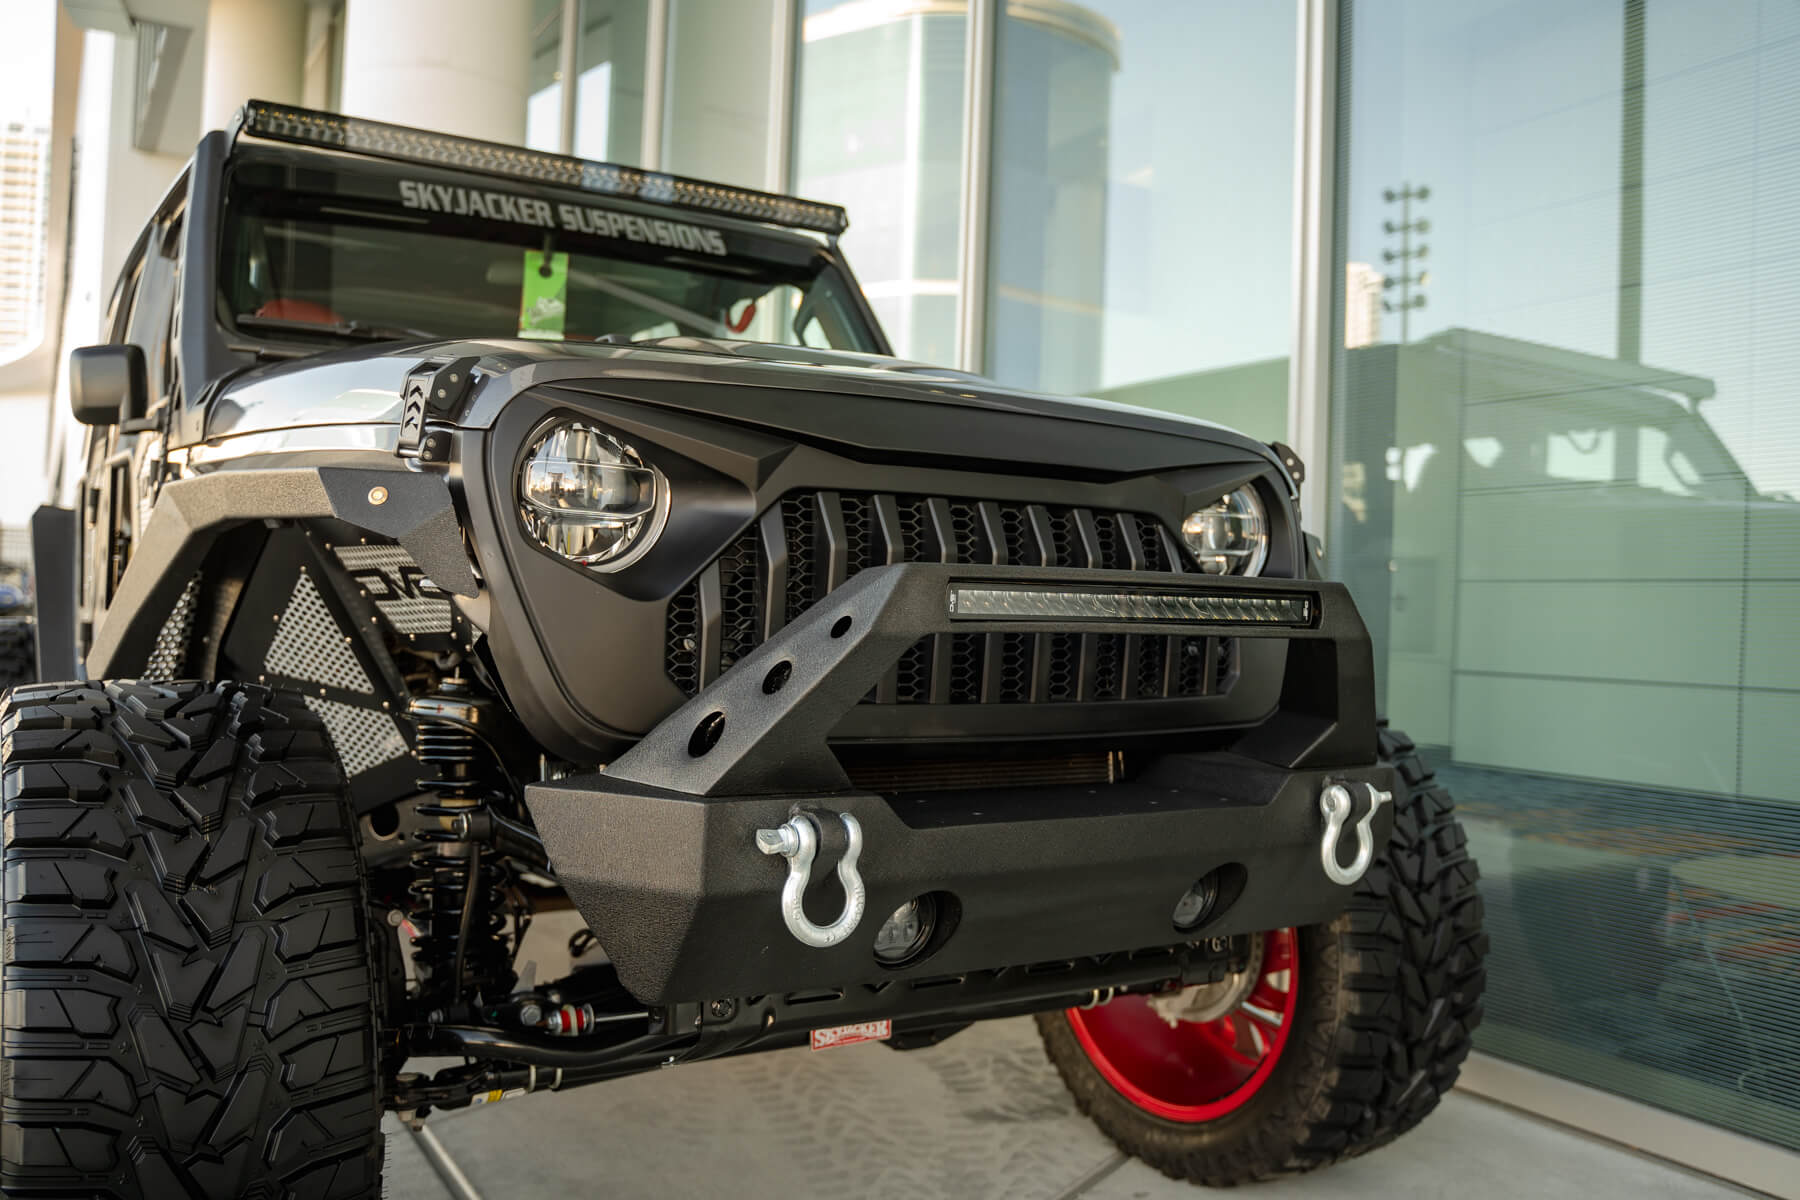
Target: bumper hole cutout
[[707, 733]]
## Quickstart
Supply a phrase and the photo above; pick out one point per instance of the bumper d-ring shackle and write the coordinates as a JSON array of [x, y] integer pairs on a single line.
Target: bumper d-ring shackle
[[797, 840], [1336, 804]]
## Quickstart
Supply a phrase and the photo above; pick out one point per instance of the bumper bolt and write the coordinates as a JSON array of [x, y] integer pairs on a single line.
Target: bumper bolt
[[722, 1010]]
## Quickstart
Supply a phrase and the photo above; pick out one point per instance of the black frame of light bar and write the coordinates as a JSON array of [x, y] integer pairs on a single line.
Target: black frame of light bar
[[261, 119]]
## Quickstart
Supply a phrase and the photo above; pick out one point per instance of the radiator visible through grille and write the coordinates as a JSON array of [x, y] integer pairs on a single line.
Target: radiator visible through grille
[[811, 542]]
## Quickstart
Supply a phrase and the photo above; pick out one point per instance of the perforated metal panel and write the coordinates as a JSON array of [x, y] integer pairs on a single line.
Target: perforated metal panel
[[310, 645], [168, 658], [407, 599], [363, 737]]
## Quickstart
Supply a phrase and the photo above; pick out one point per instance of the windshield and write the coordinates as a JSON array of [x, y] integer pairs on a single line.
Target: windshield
[[314, 255]]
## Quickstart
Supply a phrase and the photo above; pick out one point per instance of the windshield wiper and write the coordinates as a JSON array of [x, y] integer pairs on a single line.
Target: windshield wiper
[[361, 330]]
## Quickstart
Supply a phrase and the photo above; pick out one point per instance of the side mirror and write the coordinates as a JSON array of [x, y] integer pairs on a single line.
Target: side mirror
[[108, 384]]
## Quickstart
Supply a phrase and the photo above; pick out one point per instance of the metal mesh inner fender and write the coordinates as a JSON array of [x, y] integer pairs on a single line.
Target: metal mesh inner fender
[[310, 645]]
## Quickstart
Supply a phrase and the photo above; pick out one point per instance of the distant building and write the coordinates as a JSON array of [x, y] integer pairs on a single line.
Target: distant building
[[24, 201], [1362, 305]]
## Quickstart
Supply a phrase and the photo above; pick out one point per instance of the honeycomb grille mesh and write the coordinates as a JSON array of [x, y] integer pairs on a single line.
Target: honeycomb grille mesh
[[830, 536]]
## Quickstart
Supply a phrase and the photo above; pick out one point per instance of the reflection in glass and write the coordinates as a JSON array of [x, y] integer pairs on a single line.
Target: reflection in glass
[[609, 80], [1564, 502], [880, 120], [1142, 205]]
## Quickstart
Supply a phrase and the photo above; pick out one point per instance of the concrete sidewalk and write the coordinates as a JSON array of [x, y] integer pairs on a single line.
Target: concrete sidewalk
[[983, 1115]]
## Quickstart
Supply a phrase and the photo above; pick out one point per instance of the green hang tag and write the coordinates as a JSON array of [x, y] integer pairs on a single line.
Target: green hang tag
[[544, 300]]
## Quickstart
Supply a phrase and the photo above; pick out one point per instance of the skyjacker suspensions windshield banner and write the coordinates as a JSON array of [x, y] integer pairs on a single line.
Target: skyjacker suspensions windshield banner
[[572, 218]]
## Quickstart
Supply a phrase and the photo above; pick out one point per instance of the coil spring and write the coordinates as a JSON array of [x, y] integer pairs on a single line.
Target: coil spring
[[456, 894]]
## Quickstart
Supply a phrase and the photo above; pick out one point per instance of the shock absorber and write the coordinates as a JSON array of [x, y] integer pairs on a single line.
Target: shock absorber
[[457, 889]]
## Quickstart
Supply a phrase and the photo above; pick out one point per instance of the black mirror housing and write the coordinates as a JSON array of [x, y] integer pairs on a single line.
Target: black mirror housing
[[108, 385]]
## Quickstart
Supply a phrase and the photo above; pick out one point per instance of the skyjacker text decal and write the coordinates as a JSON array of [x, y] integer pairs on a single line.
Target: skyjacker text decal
[[574, 218]]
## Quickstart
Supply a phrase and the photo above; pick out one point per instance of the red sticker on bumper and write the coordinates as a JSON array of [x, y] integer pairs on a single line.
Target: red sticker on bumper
[[847, 1035]]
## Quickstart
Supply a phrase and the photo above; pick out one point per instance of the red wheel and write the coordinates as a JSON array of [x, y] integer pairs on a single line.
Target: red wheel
[[1332, 1039], [1202, 1052]]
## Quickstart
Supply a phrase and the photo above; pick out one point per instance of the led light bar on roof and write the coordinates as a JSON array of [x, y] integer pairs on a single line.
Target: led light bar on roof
[[289, 124], [1005, 603]]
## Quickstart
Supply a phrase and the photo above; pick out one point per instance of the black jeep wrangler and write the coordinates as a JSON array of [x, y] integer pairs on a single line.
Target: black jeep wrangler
[[468, 532]]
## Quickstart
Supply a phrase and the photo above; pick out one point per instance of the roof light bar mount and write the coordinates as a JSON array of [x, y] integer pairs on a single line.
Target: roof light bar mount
[[309, 127]]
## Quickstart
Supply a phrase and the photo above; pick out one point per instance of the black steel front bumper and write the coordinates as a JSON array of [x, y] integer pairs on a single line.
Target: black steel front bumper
[[659, 852]]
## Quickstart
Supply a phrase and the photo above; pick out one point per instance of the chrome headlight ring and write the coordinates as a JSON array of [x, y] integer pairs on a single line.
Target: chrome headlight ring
[[1230, 536], [586, 496]]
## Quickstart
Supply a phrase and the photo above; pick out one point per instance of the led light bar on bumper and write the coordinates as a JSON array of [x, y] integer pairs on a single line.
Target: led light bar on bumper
[[287, 123], [1001, 602]]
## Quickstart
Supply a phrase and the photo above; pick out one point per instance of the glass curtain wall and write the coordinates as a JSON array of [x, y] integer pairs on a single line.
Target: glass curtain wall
[[1567, 452], [608, 70], [543, 106], [880, 131], [722, 90], [1141, 238]]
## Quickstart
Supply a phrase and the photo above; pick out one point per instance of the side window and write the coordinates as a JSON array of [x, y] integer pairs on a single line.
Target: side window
[[118, 313], [149, 313]]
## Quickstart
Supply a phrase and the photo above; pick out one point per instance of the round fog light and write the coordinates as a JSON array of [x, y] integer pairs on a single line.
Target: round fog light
[[1196, 904], [905, 933]]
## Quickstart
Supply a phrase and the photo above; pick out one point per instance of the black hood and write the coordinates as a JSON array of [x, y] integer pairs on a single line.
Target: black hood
[[866, 405]]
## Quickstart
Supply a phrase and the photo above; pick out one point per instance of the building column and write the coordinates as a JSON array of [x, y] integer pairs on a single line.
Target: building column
[[455, 66], [254, 50]]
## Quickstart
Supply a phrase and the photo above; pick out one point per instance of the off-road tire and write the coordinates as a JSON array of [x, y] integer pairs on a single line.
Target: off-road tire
[[1390, 993], [18, 651], [187, 1000]]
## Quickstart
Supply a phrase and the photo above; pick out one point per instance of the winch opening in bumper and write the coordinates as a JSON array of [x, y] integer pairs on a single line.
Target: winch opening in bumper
[[660, 852]]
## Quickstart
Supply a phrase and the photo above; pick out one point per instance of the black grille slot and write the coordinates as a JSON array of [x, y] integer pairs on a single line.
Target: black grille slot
[[1021, 545], [683, 653], [1191, 674], [1113, 554], [912, 679], [800, 518], [1227, 650], [1109, 665], [862, 539], [830, 536], [1015, 667], [1065, 664], [1065, 544], [966, 651], [971, 539], [920, 540], [741, 598], [1156, 558], [1152, 662]]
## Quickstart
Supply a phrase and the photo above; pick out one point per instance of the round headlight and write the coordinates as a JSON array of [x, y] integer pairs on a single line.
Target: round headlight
[[1230, 537], [588, 497]]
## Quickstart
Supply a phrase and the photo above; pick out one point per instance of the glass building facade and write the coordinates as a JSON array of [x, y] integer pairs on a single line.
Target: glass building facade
[[1566, 456], [1520, 276]]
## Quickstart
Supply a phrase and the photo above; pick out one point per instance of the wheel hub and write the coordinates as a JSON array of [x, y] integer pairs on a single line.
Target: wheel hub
[[1203, 1002], [1202, 1052]]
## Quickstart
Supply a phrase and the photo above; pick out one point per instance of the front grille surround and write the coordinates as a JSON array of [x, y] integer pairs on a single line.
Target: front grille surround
[[809, 543]]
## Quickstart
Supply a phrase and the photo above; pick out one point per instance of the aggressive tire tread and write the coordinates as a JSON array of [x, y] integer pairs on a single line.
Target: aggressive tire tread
[[18, 651], [1390, 998], [187, 1000]]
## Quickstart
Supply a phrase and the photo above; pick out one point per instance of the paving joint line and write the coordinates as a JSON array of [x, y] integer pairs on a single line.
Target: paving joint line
[[1093, 1178], [448, 1172]]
